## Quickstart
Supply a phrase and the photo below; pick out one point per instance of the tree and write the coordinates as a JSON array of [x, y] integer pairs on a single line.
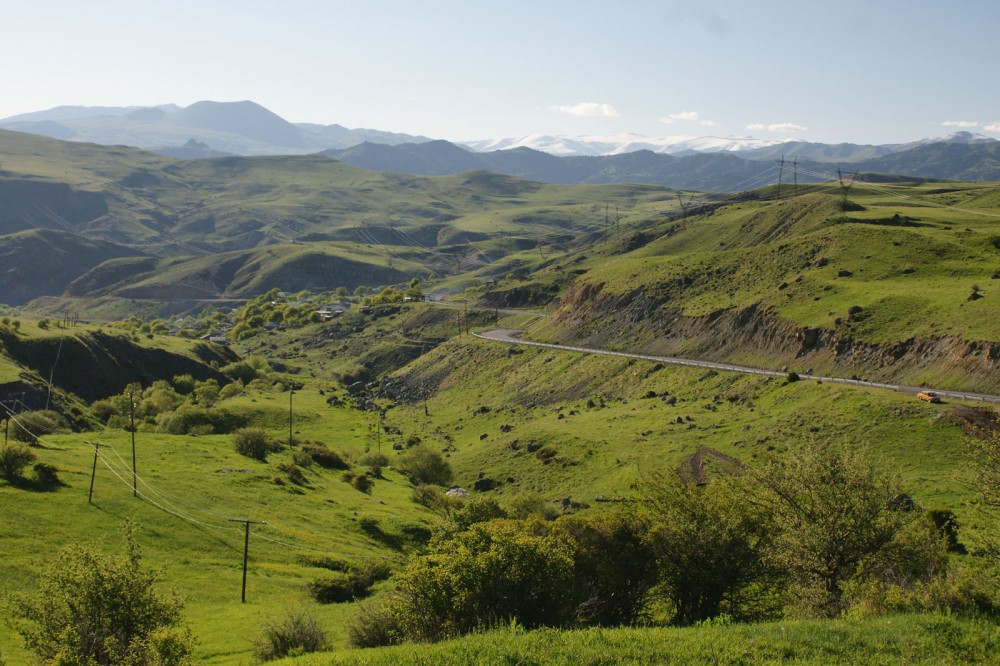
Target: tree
[[95, 608], [494, 572], [837, 512], [711, 546], [423, 465]]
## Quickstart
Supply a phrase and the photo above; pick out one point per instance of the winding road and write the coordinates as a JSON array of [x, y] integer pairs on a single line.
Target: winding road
[[510, 336]]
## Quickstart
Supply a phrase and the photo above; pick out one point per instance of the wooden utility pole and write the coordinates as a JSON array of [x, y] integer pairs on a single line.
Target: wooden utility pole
[[291, 392], [246, 550], [131, 424], [93, 473]]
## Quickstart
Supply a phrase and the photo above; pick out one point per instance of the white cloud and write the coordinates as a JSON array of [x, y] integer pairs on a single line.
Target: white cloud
[[591, 109], [687, 116], [993, 127], [683, 115], [964, 124], [777, 127]]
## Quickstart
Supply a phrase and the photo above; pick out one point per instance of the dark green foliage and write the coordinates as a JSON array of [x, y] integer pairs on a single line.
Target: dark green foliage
[[711, 546], [432, 497], [945, 521], [423, 465], [341, 587], [29, 426], [13, 459], [295, 474], [492, 573], [835, 510], [375, 625], [192, 420], [614, 566], [253, 443], [363, 483], [45, 475], [324, 457], [297, 633], [102, 609]]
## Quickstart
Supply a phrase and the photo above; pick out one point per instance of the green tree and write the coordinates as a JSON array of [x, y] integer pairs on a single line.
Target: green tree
[[837, 513], [711, 547], [492, 573], [423, 465], [96, 608]]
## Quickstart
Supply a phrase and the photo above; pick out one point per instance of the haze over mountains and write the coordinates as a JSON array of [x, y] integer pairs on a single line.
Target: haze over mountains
[[216, 129]]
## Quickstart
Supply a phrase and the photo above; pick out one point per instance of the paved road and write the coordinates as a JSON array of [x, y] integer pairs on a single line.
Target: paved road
[[513, 337]]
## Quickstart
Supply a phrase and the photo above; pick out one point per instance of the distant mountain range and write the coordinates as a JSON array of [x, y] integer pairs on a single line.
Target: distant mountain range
[[218, 129], [237, 128]]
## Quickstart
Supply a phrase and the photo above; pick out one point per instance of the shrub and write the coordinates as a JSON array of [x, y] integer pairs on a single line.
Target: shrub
[[432, 497], [297, 633], [341, 587], [189, 420], [837, 513], [253, 443], [425, 466], [375, 625], [13, 459], [324, 457], [495, 572], [711, 547], [28, 426], [363, 483], [46, 475], [95, 608], [294, 474]]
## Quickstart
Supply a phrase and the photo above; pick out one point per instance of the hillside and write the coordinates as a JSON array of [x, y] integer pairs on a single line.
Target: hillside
[[900, 288], [308, 211]]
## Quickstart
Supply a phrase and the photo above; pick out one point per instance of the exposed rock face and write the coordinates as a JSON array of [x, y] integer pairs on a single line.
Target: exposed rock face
[[636, 322]]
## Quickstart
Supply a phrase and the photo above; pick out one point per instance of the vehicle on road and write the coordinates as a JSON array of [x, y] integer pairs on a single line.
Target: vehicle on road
[[929, 396]]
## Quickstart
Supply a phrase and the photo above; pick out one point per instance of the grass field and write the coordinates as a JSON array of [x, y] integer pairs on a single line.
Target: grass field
[[888, 640]]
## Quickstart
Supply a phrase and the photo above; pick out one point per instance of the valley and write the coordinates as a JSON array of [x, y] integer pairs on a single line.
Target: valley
[[351, 317]]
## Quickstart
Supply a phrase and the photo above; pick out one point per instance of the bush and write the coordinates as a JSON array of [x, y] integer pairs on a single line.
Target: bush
[[190, 420], [496, 572], [712, 548], [294, 474], [28, 426], [425, 466], [341, 587], [13, 459], [46, 475], [324, 457], [253, 443], [297, 633], [363, 483], [375, 625], [95, 608], [432, 497]]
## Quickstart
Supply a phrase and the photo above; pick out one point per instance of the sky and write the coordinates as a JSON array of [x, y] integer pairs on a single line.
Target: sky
[[859, 71]]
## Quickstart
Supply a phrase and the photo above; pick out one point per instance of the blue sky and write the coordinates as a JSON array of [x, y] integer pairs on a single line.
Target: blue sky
[[862, 71]]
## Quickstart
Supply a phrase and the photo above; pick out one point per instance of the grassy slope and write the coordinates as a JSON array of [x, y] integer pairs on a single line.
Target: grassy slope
[[890, 640], [912, 281], [599, 451], [202, 555]]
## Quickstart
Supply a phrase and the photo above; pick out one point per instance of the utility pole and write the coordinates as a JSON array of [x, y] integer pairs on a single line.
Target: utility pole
[[246, 550], [93, 473], [291, 392], [795, 172], [131, 422], [781, 172]]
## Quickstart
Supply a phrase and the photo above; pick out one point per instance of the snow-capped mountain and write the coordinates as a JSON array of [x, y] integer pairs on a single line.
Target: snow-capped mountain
[[565, 146]]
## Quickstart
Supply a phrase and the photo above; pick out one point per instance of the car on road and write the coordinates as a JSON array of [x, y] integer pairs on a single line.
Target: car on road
[[929, 396]]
